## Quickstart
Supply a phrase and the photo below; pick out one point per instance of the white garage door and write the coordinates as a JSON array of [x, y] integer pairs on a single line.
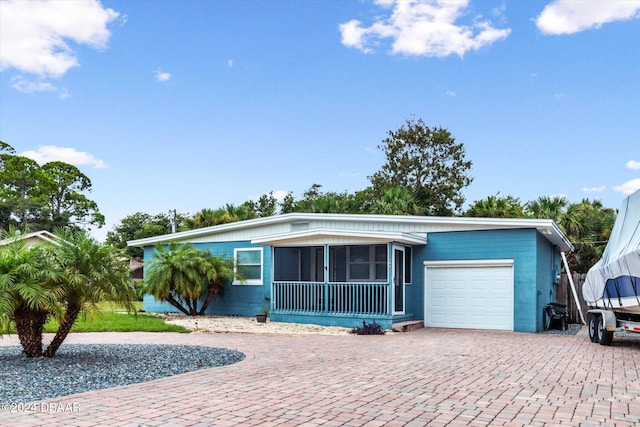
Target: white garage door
[[469, 294]]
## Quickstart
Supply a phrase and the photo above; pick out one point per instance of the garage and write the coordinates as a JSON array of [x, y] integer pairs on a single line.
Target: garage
[[476, 294]]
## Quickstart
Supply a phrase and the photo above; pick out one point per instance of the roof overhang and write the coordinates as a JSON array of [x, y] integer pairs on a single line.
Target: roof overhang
[[321, 235], [546, 227]]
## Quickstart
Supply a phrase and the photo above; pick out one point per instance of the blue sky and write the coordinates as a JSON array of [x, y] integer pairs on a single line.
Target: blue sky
[[194, 104]]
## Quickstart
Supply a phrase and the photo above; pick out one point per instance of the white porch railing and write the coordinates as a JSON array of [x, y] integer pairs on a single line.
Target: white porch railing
[[371, 299]]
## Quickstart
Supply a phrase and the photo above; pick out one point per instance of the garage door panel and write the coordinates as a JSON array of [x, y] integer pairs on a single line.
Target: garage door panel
[[437, 318], [457, 302], [436, 302], [478, 303], [469, 297]]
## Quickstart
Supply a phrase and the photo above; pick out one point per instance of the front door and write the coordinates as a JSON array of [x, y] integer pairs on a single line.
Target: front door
[[398, 280], [318, 265]]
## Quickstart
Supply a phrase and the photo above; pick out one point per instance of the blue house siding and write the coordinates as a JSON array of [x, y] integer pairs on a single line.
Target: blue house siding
[[521, 245], [547, 278], [536, 265], [237, 300], [414, 293]]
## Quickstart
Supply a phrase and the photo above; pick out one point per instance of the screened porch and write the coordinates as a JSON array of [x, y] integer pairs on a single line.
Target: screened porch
[[338, 280]]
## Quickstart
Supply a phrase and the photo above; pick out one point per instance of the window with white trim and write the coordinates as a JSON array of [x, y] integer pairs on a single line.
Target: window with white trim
[[248, 266]]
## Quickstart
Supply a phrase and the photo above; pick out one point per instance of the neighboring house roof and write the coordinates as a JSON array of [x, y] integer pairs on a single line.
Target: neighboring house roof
[[34, 238], [316, 228]]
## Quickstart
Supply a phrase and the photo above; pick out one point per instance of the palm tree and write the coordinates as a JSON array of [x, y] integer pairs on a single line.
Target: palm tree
[[27, 294], [546, 207], [589, 225], [396, 201], [204, 218], [496, 207], [182, 274], [89, 273]]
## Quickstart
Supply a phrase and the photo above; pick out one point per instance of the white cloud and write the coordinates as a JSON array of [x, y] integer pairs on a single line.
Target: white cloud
[[34, 34], [230, 63], [162, 76], [451, 93], [20, 84], [572, 16], [632, 164], [598, 189], [25, 86], [50, 153], [629, 186], [279, 195], [423, 28]]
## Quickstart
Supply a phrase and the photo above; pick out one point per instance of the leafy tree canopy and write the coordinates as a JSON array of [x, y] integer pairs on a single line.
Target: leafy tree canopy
[[428, 163], [496, 207], [46, 197], [141, 225]]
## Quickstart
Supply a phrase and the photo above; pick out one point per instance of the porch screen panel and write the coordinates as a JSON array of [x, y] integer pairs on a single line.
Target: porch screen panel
[[298, 264], [287, 264]]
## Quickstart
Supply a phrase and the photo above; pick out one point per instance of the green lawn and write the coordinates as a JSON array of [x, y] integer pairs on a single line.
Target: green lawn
[[113, 318], [108, 321], [111, 306]]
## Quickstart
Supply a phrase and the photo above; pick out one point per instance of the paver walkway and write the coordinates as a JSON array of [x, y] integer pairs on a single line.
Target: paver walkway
[[431, 377]]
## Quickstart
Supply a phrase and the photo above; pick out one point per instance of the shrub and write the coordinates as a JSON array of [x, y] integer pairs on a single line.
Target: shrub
[[368, 329]]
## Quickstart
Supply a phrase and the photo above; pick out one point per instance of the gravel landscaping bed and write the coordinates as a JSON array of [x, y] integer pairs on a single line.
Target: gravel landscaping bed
[[572, 329], [81, 368]]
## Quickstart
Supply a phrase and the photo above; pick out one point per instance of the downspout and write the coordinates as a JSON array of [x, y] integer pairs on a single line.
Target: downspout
[[573, 287]]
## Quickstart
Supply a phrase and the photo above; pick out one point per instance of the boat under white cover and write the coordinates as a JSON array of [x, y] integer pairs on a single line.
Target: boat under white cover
[[614, 282]]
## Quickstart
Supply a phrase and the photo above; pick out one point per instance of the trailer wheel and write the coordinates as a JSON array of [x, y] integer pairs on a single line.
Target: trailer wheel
[[593, 331], [604, 337]]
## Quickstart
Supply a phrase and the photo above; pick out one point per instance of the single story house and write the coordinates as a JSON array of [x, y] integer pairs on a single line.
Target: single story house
[[341, 269]]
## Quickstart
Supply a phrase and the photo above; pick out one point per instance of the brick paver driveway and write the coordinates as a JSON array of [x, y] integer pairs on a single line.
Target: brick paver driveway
[[432, 377]]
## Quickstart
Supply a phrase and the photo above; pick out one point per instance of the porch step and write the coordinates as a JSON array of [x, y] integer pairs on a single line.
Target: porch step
[[410, 325]]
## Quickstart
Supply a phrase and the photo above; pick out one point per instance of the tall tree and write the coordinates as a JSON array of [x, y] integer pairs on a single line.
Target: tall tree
[[139, 226], [62, 186], [43, 197], [267, 205], [20, 200], [428, 163]]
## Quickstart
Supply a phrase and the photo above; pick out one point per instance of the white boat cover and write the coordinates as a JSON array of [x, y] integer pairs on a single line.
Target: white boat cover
[[615, 280]]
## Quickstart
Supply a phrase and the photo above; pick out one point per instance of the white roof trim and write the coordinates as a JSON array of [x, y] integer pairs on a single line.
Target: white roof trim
[[546, 227], [43, 235], [299, 237], [469, 263]]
